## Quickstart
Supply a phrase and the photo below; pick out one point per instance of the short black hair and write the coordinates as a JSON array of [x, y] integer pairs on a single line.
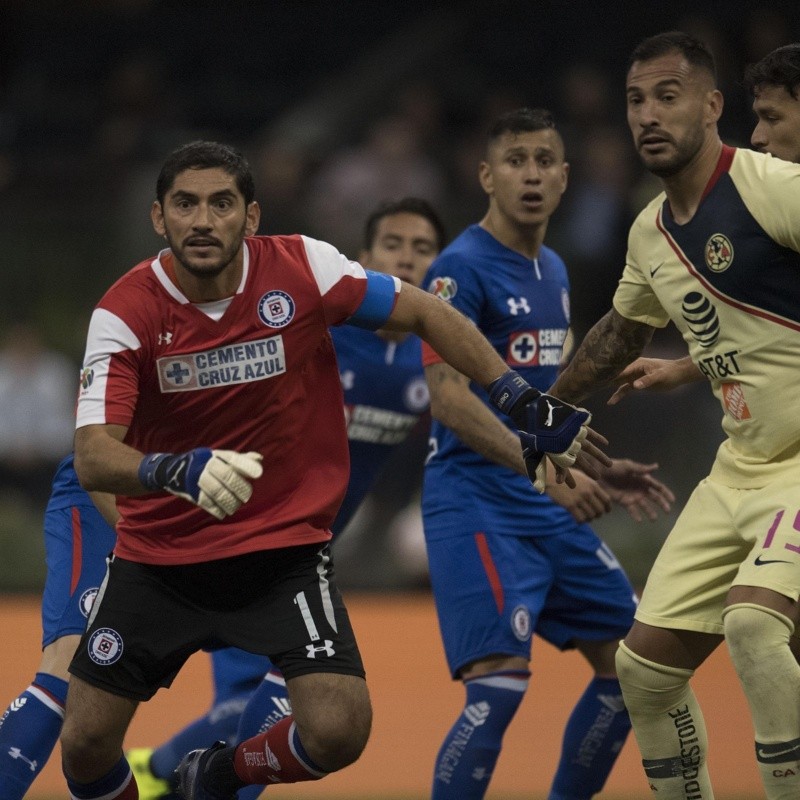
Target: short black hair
[[206, 155], [521, 120], [691, 48], [406, 205], [781, 67]]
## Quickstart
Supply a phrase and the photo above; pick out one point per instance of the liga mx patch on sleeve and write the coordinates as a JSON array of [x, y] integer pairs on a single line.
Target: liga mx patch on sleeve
[[222, 366]]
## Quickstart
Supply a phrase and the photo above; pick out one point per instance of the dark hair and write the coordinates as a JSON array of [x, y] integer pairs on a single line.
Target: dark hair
[[781, 67], [206, 155], [522, 120], [692, 49], [407, 205]]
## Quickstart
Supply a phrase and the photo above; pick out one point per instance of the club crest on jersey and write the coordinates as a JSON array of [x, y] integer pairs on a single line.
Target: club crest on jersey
[[521, 623], [416, 395], [276, 309], [719, 253], [105, 646], [87, 601], [444, 288]]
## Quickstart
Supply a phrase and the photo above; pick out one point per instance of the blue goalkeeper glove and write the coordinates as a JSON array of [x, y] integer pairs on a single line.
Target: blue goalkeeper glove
[[218, 481], [546, 425]]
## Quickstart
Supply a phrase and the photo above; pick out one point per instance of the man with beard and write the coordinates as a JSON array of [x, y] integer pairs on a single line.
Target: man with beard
[[718, 254]]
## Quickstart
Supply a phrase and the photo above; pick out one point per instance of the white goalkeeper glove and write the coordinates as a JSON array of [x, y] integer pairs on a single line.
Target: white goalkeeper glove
[[218, 481]]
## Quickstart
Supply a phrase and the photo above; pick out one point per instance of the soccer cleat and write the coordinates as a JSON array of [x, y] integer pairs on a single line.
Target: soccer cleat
[[190, 775], [150, 787]]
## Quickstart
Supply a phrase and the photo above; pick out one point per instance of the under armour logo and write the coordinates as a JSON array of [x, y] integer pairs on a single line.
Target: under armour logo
[[15, 752], [326, 647], [165, 338], [515, 306], [548, 423]]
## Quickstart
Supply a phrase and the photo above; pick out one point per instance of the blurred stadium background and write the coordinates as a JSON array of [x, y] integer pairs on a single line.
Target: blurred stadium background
[[339, 104]]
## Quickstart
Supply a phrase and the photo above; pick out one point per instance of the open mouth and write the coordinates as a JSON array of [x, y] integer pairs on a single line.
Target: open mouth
[[532, 199]]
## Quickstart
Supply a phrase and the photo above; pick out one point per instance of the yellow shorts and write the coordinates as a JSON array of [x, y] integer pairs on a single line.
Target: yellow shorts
[[724, 537]]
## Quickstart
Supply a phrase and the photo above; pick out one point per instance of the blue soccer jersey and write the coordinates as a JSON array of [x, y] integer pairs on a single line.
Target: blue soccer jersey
[[384, 393], [522, 307], [506, 561]]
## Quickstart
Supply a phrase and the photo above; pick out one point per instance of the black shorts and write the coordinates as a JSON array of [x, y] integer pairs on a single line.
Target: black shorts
[[148, 619]]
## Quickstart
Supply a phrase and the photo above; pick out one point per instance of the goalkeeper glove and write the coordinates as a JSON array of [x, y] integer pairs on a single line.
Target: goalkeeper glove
[[546, 425], [218, 481]]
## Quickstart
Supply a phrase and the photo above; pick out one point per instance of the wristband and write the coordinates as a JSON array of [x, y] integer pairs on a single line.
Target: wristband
[[507, 390]]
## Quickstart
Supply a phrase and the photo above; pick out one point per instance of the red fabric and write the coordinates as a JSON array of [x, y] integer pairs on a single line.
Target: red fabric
[[268, 757]]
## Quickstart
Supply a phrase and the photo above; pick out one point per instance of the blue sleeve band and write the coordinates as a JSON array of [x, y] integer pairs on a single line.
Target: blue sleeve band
[[378, 302]]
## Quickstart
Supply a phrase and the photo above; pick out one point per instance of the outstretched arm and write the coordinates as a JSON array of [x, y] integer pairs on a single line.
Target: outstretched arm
[[609, 346], [657, 374]]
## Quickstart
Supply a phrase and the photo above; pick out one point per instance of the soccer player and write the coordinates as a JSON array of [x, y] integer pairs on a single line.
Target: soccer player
[[775, 84], [211, 406], [504, 560], [718, 254], [384, 394], [77, 542]]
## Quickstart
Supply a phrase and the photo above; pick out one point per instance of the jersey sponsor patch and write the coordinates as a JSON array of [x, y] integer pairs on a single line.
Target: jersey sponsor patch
[[276, 309], [377, 425], [223, 366], [734, 402], [536, 347], [105, 646]]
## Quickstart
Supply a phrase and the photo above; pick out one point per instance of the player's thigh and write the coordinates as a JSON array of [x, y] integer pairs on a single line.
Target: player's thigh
[[77, 543], [694, 570], [592, 602], [488, 590], [769, 521]]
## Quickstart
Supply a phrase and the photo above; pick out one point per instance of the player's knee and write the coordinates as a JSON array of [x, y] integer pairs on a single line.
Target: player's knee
[[83, 751], [647, 685], [752, 632], [337, 735]]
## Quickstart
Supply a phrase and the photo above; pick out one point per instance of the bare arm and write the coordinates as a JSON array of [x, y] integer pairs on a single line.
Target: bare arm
[[657, 374], [458, 408], [104, 463], [449, 332], [609, 346]]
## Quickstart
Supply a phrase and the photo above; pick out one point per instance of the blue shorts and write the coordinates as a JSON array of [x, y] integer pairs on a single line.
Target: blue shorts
[[236, 673], [492, 591], [77, 542]]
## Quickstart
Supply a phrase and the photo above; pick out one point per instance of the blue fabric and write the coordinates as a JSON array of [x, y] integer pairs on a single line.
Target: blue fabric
[[594, 736], [77, 542], [378, 302], [466, 760], [108, 786], [29, 730]]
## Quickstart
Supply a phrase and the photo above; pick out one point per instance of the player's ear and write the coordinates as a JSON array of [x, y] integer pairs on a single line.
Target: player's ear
[[253, 219], [157, 217], [363, 258], [485, 177], [564, 176], [714, 105]]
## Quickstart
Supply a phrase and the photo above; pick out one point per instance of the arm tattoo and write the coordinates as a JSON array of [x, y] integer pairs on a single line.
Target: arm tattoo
[[608, 347]]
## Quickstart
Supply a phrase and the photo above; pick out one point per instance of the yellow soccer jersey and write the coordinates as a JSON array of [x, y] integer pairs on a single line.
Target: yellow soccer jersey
[[730, 281]]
